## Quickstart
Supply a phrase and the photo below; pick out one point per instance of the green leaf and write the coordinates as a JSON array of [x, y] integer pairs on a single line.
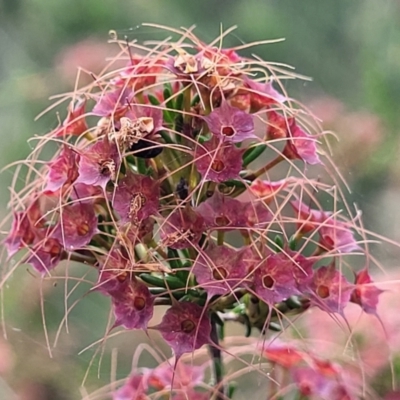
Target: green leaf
[[278, 243], [153, 100], [251, 154]]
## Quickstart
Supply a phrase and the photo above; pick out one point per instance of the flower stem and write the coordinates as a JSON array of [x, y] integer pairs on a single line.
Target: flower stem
[[254, 175], [216, 356]]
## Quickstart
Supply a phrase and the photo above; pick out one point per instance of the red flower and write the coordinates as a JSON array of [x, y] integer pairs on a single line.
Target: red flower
[[114, 103], [284, 355], [365, 293], [299, 144], [75, 123]]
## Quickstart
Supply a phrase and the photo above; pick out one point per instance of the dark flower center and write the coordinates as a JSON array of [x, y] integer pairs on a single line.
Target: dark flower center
[[107, 168], [328, 241], [139, 303], [83, 229], [222, 220], [218, 165], [122, 276], [187, 326], [186, 63], [72, 175], [268, 281], [323, 291], [28, 237], [219, 273], [52, 247], [228, 131]]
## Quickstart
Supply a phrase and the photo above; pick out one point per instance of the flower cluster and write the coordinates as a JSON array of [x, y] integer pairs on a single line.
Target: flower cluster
[[163, 183]]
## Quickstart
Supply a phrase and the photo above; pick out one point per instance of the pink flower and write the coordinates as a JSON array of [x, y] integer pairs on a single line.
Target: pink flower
[[99, 163], [218, 162], [267, 190], [26, 227], [334, 235], [114, 271], [181, 376], [274, 280], [220, 269], [133, 305], [185, 328], [63, 171], [192, 395], [136, 197], [140, 72], [256, 214], [45, 255], [222, 212], [133, 389], [182, 229], [230, 124], [186, 65], [22, 233], [330, 290], [365, 293], [262, 94], [77, 226]]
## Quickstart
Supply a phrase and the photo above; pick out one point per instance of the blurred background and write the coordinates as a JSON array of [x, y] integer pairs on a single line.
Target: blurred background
[[351, 49]]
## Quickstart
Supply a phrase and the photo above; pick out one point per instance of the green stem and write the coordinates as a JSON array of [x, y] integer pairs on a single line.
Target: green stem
[[81, 258], [220, 237], [216, 356], [187, 103]]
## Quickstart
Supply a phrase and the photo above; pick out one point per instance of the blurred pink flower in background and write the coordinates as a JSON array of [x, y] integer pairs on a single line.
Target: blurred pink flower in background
[[89, 54], [367, 347], [355, 127]]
